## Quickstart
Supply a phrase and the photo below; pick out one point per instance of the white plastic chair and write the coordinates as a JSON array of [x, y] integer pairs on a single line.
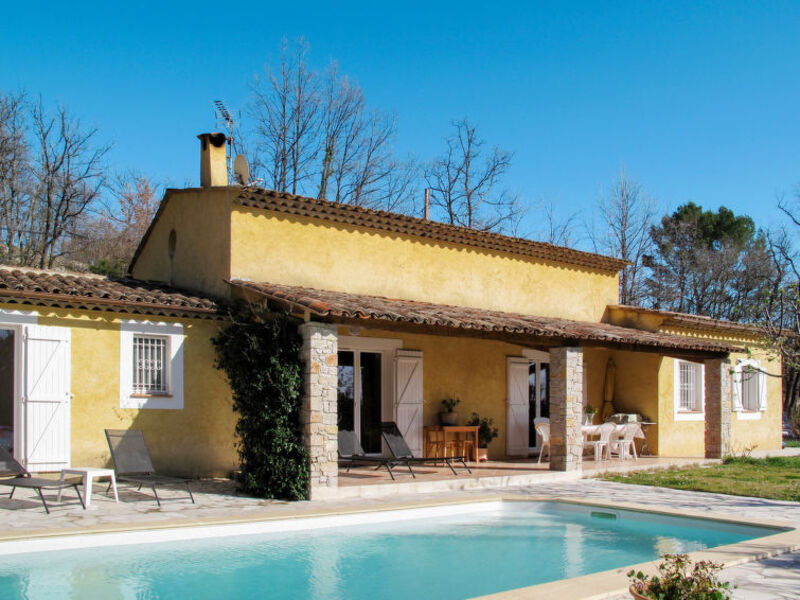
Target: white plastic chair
[[543, 432], [625, 446], [602, 445]]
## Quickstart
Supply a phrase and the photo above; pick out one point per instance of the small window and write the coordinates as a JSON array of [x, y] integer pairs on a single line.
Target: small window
[[688, 393], [150, 364], [749, 389], [689, 390]]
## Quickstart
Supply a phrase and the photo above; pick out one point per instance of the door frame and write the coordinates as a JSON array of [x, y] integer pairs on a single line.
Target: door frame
[[539, 357], [16, 320], [386, 347]]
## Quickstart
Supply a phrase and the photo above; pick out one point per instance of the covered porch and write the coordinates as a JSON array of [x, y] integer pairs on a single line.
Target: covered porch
[[371, 359]]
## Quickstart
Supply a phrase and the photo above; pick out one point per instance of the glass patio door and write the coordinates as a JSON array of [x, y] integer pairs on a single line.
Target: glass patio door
[[359, 397], [538, 398]]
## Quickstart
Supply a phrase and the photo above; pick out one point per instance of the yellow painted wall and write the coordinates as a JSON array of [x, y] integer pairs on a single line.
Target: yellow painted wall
[[198, 440], [687, 438], [299, 251], [475, 371], [636, 320], [677, 438], [201, 221], [472, 369], [765, 432]]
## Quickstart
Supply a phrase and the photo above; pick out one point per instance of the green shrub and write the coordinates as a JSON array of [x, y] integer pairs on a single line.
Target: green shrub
[[678, 579], [260, 354]]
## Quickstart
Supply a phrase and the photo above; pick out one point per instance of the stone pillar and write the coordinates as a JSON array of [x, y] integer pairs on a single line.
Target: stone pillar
[[566, 408], [718, 406], [319, 413]]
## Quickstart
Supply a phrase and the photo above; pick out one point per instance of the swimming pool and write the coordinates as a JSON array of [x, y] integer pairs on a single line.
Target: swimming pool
[[446, 552]]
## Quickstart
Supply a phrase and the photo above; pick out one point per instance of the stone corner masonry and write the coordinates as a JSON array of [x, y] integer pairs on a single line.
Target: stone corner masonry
[[566, 408], [718, 407], [319, 413]]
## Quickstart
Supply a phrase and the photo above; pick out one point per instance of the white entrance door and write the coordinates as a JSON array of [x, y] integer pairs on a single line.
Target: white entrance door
[[46, 398]]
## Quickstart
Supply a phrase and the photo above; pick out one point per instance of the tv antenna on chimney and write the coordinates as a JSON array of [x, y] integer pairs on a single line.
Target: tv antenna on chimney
[[225, 115]]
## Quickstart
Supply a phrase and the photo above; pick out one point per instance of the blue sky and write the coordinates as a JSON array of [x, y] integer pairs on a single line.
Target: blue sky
[[698, 101]]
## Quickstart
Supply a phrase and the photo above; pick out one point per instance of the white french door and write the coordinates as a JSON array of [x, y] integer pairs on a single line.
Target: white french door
[[359, 397], [528, 381], [364, 392], [538, 398]]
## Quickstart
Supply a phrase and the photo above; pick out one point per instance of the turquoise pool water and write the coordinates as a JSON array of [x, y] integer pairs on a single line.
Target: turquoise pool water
[[512, 545]]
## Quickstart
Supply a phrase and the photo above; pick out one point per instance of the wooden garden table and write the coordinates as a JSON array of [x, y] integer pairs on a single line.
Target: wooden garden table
[[453, 429]]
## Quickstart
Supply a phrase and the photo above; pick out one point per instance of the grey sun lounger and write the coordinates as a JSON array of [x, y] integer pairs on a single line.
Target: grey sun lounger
[[20, 477], [400, 451], [132, 462], [351, 452]]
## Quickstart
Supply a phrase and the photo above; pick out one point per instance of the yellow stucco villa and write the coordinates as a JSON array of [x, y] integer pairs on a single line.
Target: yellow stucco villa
[[398, 313]]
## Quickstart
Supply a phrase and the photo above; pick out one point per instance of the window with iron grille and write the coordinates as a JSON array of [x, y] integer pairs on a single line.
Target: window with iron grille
[[150, 364], [690, 386]]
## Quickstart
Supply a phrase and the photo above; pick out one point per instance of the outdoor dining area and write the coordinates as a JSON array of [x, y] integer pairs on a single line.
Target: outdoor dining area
[[603, 442]]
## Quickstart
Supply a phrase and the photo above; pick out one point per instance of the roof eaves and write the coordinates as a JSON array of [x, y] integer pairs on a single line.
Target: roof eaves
[[306, 299]]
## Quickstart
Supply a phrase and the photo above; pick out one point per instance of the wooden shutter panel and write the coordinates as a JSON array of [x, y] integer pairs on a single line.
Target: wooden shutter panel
[[46, 398], [762, 390], [517, 407], [736, 383], [408, 397]]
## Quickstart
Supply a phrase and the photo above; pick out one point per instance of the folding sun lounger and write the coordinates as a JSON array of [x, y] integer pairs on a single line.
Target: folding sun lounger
[[132, 462], [351, 452], [401, 452], [23, 479]]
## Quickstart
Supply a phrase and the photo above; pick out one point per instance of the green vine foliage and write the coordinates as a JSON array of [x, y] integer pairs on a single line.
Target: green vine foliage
[[260, 354]]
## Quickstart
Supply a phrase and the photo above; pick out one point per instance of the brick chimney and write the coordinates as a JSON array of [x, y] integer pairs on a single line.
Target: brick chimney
[[213, 160]]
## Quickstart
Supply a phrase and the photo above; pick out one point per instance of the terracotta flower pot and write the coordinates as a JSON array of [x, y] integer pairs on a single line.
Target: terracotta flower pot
[[483, 454], [448, 418], [637, 595]]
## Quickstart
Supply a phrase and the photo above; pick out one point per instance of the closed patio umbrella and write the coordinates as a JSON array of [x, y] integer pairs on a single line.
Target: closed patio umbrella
[[608, 390]]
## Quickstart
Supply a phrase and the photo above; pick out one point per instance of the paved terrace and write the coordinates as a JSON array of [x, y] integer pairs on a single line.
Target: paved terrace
[[217, 501]]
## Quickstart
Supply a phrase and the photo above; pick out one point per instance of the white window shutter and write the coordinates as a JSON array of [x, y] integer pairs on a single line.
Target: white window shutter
[[46, 398], [408, 397], [762, 390], [517, 407], [736, 383]]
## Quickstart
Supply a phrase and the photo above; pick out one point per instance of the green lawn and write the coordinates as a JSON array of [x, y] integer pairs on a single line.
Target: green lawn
[[777, 478], [793, 443]]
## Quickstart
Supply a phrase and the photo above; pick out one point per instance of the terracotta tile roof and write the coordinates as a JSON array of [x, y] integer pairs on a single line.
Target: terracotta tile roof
[[422, 228], [687, 321], [96, 292], [344, 306]]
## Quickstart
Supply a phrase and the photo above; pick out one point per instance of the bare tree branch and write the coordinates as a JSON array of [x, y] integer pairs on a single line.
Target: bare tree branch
[[465, 183]]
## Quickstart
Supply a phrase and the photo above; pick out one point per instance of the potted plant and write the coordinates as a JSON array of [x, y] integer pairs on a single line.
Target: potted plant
[[486, 433], [449, 416], [678, 578], [590, 411]]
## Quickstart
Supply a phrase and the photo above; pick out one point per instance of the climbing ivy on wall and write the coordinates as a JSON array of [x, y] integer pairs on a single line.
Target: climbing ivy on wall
[[260, 353]]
